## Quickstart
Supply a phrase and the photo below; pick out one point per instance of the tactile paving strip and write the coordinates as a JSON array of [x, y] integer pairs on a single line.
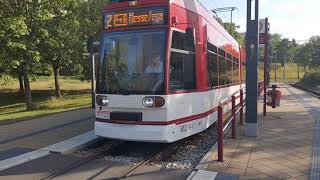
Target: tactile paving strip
[[314, 170]]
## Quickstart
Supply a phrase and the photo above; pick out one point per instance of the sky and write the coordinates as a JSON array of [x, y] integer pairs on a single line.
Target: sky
[[298, 19]]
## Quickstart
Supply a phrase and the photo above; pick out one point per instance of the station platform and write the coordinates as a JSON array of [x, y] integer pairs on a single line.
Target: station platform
[[287, 146]]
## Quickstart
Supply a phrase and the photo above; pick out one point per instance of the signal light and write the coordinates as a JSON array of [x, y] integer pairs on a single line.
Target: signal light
[[159, 102], [150, 102]]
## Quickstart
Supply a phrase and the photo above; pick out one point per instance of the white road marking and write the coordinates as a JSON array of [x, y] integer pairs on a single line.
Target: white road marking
[[23, 158], [202, 175], [72, 144], [67, 146]]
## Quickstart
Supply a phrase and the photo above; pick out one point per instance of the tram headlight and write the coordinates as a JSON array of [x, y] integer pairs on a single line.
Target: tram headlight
[[153, 102], [148, 102], [102, 100]]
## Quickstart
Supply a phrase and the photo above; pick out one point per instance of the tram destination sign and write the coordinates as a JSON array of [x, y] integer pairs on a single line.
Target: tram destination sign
[[136, 17]]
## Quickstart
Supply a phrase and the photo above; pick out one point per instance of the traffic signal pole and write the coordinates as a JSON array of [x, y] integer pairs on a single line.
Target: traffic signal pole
[[252, 40]]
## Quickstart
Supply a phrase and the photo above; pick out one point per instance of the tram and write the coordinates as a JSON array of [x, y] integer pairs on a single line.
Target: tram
[[164, 66]]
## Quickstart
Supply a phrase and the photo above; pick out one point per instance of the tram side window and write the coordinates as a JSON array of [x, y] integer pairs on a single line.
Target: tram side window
[[182, 63], [229, 69], [180, 41], [212, 61], [212, 48], [213, 69], [244, 72], [182, 71], [236, 73], [223, 73], [229, 72]]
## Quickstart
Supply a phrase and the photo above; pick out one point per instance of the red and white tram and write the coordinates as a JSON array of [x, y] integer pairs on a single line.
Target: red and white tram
[[164, 66]]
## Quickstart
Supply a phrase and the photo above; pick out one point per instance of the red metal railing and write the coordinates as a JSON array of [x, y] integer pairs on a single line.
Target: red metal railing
[[235, 110], [224, 124]]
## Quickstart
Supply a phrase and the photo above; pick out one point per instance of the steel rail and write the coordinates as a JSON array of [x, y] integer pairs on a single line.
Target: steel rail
[[80, 162], [154, 156]]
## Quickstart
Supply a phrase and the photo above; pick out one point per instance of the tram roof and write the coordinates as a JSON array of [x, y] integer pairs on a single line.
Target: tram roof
[[191, 5]]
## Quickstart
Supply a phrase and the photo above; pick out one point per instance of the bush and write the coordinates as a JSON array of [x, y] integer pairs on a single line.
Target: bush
[[311, 79]]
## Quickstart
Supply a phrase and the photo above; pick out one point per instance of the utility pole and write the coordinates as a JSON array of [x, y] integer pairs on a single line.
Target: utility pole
[[252, 40], [284, 69], [298, 71], [231, 21], [275, 68], [226, 9]]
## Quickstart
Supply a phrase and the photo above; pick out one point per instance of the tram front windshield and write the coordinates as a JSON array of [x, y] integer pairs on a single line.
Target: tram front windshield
[[132, 62]]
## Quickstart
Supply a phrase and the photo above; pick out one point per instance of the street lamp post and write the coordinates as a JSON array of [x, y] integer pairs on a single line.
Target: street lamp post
[[252, 40], [275, 68]]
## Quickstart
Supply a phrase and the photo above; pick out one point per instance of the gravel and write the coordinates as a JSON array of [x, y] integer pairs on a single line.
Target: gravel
[[186, 156], [100, 146], [190, 153], [120, 151]]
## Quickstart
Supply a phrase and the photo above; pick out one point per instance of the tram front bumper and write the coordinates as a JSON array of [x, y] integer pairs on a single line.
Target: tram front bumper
[[143, 133]]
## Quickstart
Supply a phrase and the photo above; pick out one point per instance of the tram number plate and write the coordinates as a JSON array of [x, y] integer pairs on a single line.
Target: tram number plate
[[185, 128]]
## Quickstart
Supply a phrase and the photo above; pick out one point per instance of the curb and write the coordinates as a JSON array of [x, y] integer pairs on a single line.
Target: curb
[[73, 144], [18, 120], [309, 91], [64, 147]]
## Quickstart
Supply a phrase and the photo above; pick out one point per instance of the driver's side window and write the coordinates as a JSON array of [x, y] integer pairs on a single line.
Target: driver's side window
[[182, 63]]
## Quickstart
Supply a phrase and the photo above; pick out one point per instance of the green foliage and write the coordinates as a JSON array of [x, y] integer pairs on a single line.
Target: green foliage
[[232, 29], [5, 80], [312, 79], [289, 51], [315, 46], [39, 34], [303, 55]]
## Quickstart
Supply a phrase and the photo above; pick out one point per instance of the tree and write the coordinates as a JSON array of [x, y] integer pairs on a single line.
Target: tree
[[90, 18], [315, 46], [303, 55], [21, 33], [232, 29], [62, 41], [274, 43], [285, 51]]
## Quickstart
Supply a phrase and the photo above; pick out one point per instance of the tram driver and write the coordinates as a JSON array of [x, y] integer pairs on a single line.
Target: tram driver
[[155, 71], [156, 65]]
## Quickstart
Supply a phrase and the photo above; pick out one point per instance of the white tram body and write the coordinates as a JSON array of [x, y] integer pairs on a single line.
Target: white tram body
[[183, 113], [182, 116]]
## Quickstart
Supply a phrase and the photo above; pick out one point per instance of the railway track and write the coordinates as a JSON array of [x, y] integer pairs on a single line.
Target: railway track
[[162, 153], [81, 162], [156, 155]]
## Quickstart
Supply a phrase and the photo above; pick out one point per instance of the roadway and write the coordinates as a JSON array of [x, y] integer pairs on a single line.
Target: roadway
[[25, 136]]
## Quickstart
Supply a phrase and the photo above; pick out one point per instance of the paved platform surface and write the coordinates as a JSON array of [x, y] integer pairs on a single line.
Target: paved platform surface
[[283, 149], [26, 136]]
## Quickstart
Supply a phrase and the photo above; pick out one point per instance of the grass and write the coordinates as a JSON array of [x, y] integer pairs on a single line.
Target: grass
[[76, 94], [290, 69]]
